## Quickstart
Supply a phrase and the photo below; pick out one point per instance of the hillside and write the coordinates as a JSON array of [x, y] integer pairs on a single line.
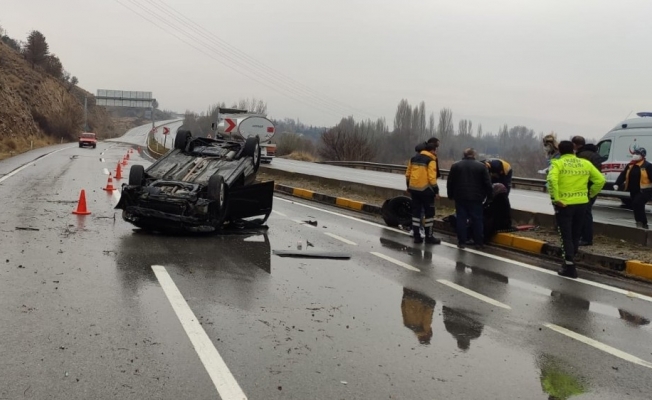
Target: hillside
[[37, 108]]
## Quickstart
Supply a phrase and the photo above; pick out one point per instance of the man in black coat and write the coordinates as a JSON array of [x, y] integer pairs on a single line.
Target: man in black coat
[[468, 184], [588, 152]]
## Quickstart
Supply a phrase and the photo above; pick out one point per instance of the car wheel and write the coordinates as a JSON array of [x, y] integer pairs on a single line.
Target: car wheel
[[217, 193], [80, 145], [94, 146], [397, 211], [182, 139], [136, 175]]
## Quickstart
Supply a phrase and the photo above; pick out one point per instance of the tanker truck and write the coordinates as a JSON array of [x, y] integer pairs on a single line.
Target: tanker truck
[[242, 124]]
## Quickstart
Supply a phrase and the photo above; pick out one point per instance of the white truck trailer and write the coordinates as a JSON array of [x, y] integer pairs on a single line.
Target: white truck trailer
[[242, 124]]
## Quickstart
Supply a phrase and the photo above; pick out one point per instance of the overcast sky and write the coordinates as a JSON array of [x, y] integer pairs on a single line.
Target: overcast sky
[[575, 67]]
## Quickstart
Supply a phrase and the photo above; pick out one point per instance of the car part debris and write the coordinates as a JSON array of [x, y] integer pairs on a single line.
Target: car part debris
[[309, 222], [21, 228], [313, 254], [397, 211]]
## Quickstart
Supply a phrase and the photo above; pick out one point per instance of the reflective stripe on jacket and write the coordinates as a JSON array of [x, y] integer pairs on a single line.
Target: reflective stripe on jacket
[[421, 173], [568, 180], [497, 167]]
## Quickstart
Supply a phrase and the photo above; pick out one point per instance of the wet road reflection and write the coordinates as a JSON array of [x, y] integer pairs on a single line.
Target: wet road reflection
[[462, 327], [417, 310]]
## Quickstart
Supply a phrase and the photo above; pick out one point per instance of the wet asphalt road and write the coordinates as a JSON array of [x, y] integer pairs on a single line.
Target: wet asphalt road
[[605, 210], [85, 316]]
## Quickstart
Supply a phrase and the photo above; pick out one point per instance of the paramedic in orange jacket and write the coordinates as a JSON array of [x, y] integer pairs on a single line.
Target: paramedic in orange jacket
[[421, 181], [636, 179]]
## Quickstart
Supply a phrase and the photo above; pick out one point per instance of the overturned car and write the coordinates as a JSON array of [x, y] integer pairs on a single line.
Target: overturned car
[[202, 184]]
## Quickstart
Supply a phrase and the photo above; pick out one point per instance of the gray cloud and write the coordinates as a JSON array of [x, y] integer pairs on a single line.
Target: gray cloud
[[574, 67]]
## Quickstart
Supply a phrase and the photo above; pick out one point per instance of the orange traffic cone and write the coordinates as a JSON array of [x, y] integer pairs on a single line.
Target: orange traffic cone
[[127, 156], [118, 171], [139, 149], [81, 205], [109, 185], [124, 162]]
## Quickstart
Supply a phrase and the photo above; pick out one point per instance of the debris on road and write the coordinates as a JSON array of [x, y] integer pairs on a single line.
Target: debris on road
[[23, 228], [313, 254], [311, 222]]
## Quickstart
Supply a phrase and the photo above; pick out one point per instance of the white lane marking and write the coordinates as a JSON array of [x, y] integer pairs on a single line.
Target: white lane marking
[[598, 345], [279, 213], [474, 294], [106, 171], [302, 223], [340, 238], [627, 293], [14, 172], [224, 381], [395, 261], [498, 258]]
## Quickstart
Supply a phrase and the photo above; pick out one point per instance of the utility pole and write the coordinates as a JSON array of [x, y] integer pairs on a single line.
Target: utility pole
[[85, 113]]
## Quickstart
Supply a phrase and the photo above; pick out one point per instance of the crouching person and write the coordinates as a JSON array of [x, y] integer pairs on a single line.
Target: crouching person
[[421, 180]]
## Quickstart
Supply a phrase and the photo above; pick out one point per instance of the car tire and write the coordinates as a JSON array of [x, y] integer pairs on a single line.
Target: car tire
[[182, 139], [94, 146], [397, 211], [252, 149], [217, 192], [80, 145], [136, 175]]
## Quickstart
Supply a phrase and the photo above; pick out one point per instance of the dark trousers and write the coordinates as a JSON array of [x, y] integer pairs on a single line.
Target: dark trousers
[[570, 220], [587, 229], [423, 202], [639, 200], [469, 210]]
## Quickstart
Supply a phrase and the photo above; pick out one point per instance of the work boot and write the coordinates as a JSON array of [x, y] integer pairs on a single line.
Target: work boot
[[639, 225], [567, 270], [416, 233], [432, 240]]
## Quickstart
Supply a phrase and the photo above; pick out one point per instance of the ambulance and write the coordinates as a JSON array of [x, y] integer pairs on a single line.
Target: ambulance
[[618, 146]]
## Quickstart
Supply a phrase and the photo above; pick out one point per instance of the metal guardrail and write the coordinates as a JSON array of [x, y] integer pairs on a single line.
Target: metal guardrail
[[520, 183]]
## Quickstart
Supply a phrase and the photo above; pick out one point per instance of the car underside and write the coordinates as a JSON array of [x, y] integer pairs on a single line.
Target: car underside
[[201, 185]]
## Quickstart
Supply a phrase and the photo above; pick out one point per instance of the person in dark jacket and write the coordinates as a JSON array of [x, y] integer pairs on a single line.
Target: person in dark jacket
[[636, 178], [500, 172], [469, 185], [497, 212], [421, 181], [587, 152]]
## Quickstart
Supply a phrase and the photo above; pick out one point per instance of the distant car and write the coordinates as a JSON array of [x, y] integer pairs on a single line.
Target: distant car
[[200, 185], [87, 139]]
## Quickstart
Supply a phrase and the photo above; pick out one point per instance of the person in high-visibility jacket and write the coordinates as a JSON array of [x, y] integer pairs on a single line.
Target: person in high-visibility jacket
[[421, 181], [500, 172], [568, 184], [636, 179]]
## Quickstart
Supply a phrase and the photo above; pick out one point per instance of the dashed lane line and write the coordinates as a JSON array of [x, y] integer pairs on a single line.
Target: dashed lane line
[[598, 345], [627, 293], [340, 238], [279, 213], [395, 261], [224, 381], [474, 294]]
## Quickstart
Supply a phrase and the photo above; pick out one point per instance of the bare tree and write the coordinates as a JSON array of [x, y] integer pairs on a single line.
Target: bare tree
[[36, 50], [445, 128], [252, 105], [351, 141], [479, 135], [432, 128]]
